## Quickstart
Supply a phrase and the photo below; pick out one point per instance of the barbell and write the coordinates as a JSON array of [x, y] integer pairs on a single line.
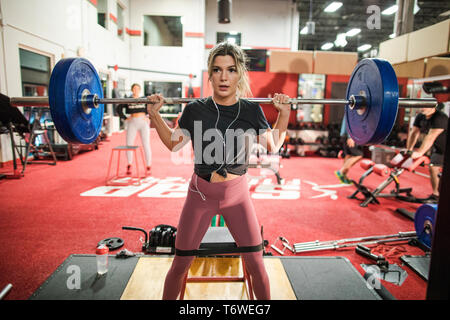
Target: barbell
[[77, 104]]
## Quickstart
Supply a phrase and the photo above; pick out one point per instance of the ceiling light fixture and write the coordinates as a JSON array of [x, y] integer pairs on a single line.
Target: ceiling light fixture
[[340, 40], [310, 25], [327, 46], [352, 32], [332, 7], [394, 9], [224, 8], [416, 7], [364, 47], [390, 10]]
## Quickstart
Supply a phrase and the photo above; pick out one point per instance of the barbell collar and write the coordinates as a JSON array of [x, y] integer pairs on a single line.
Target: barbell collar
[[88, 101], [358, 103]]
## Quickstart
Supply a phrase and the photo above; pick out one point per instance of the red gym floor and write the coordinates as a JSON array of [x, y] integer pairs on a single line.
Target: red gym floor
[[55, 211]]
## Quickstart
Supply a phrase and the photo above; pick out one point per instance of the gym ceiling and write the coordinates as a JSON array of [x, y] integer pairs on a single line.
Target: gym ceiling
[[352, 15]]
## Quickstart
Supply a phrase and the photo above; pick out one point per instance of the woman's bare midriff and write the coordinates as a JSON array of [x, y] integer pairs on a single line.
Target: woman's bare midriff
[[215, 177], [136, 115]]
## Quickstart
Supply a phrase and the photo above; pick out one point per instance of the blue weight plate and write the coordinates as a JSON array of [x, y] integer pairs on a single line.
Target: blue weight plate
[[425, 216], [69, 79], [376, 80]]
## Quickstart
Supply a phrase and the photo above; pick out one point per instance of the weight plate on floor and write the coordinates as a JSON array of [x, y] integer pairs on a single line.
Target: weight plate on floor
[[376, 80], [70, 78], [112, 243], [424, 221]]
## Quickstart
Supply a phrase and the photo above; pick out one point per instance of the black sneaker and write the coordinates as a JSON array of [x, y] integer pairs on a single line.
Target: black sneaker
[[432, 198]]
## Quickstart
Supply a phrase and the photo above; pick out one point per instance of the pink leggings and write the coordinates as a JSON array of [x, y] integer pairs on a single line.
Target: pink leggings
[[231, 199]]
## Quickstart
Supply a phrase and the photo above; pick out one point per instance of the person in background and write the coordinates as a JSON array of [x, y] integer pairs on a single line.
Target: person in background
[[352, 153], [432, 122], [137, 121]]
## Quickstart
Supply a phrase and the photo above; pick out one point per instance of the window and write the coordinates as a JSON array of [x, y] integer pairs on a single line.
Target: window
[[311, 86], [336, 112], [121, 92], [35, 72], [104, 81], [257, 59], [146, 39], [163, 31], [121, 87], [120, 22], [167, 89], [102, 9], [233, 37]]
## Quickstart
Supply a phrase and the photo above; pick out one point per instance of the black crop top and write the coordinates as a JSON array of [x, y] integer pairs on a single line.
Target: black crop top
[[241, 124], [130, 109], [439, 120]]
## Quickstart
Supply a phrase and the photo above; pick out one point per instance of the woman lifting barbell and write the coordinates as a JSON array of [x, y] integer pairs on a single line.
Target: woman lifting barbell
[[221, 185]]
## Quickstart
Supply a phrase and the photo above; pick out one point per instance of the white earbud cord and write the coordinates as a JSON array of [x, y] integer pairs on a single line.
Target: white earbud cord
[[218, 131], [223, 142]]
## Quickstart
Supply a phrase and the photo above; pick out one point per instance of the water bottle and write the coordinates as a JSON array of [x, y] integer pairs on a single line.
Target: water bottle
[[102, 259]]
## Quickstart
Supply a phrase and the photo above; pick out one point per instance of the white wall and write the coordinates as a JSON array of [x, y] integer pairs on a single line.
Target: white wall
[[262, 23], [187, 59], [56, 28], [2, 63], [159, 32], [67, 28]]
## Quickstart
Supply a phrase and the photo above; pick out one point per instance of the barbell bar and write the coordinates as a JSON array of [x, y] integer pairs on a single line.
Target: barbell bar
[[424, 221], [354, 244], [319, 244], [95, 101], [77, 104]]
